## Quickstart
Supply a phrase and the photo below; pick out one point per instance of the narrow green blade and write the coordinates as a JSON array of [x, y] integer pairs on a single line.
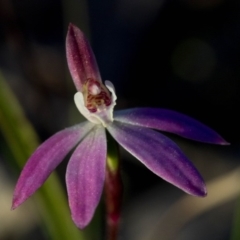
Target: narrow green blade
[[22, 141]]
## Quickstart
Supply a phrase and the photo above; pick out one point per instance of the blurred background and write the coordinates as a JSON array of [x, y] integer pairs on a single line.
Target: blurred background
[[178, 54]]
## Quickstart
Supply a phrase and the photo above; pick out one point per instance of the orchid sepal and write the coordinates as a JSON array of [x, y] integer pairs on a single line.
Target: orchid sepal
[[45, 159], [85, 176], [161, 155], [170, 121], [80, 58]]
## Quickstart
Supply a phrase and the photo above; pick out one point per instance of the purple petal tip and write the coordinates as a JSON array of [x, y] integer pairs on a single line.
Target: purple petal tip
[[161, 155], [15, 203], [170, 121], [13, 207], [223, 142], [202, 192]]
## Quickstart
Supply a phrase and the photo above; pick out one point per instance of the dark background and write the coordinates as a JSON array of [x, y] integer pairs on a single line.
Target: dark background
[[178, 54]]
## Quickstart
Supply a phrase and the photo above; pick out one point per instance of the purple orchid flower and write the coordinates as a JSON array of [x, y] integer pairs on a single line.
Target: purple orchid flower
[[131, 128]]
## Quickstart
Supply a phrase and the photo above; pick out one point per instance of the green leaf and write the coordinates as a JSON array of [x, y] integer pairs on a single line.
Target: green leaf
[[22, 141], [235, 234]]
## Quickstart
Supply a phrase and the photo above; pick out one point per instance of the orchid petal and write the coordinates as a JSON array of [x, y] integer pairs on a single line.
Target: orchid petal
[[169, 121], [45, 159], [161, 155], [85, 176], [81, 60]]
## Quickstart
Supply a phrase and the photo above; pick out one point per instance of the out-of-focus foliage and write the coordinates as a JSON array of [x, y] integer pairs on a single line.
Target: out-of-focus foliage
[[22, 141]]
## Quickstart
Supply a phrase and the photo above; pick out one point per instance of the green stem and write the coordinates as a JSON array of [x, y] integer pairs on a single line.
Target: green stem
[[113, 190]]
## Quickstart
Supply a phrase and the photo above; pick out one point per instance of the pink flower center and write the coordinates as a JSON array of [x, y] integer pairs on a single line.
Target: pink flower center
[[96, 95]]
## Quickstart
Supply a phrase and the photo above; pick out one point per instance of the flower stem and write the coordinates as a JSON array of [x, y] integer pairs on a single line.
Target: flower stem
[[113, 190]]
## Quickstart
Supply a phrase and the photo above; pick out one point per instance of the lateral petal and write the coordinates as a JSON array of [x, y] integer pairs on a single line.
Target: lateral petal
[[161, 155], [85, 176], [45, 159], [170, 121]]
